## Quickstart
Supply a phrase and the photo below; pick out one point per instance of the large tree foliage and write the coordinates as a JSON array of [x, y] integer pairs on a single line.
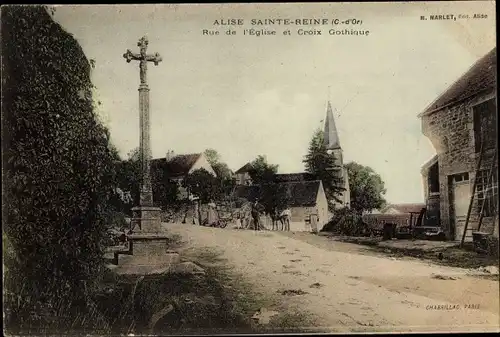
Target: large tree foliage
[[323, 165], [58, 166], [222, 171], [128, 177], [262, 172], [367, 188], [213, 156], [274, 197], [203, 185]]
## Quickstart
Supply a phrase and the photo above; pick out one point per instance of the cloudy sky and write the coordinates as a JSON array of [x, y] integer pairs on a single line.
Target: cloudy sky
[[249, 95]]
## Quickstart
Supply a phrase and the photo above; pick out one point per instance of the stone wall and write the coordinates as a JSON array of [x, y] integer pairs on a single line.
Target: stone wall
[[451, 131]]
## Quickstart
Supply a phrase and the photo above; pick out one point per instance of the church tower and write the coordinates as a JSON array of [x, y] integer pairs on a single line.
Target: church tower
[[332, 143]]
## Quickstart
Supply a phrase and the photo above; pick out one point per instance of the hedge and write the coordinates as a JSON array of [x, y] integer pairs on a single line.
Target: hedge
[[58, 168]]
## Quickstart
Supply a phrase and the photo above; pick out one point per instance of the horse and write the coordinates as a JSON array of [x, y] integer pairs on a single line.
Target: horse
[[276, 220], [285, 216], [280, 220]]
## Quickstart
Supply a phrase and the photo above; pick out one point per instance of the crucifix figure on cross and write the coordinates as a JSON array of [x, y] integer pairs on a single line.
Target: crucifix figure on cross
[[143, 58]]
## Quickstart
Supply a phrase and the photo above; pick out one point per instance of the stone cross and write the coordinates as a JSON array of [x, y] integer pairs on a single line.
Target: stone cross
[[146, 193]]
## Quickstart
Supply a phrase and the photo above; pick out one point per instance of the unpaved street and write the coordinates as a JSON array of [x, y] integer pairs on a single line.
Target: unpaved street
[[349, 291]]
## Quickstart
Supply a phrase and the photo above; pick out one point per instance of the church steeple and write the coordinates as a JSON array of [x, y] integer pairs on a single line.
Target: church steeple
[[330, 135]]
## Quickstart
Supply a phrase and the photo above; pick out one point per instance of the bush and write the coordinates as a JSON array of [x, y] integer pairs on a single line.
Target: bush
[[346, 221], [58, 168]]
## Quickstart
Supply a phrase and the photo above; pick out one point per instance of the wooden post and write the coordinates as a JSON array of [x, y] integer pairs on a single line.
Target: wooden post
[[490, 177], [474, 185]]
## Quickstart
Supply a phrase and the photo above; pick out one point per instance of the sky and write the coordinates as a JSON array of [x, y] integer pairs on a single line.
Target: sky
[[250, 95]]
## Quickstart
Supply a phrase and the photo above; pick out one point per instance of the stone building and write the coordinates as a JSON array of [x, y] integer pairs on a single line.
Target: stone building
[[459, 123], [332, 143], [242, 175]]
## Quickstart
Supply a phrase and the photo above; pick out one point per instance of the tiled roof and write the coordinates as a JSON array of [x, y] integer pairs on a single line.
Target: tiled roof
[[297, 194], [405, 208], [480, 77], [290, 177], [179, 165], [246, 168]]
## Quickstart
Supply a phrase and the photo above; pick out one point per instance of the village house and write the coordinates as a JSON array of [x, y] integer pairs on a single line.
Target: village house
[[242, 175], [303, 198], [177, 167], [462, 124]]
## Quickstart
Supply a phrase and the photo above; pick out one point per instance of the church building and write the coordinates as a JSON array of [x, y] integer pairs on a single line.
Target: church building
[[332, 143]]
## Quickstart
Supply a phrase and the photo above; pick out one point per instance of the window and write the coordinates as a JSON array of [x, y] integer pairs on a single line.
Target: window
[[485, 126], [487, 194], [460, 177]]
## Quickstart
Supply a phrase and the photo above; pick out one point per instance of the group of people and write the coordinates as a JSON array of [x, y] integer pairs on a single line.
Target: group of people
[[256, 210], [248, 217]]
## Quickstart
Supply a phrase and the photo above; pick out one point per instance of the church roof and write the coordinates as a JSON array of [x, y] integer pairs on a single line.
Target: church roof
[[245, 168], [331, 136], [178, 166], [297, 194], [480, 77]]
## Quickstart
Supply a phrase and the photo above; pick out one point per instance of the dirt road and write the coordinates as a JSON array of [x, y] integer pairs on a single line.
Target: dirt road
[[350, 291]]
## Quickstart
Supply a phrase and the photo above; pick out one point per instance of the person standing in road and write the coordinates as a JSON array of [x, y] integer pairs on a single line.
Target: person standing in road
[[256, 214]]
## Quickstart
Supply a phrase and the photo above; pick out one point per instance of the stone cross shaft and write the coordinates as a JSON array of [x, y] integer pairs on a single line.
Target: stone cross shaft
[[146, 193]]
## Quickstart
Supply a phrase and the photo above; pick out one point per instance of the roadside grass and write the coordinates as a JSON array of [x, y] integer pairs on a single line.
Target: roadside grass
[[246, 300], [449, 256], [188, 304]]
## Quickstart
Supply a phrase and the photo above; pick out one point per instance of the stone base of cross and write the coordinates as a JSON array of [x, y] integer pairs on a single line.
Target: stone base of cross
[[146, 219]]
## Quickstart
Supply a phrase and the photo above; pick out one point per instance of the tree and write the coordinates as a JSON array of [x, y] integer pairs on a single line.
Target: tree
[[202, 184], [213, 156], [224, 175], [367, 188], [323, 165], [221, 169], [128, 178], [58, 169], [262, 171], [274, 196], [165, 190]]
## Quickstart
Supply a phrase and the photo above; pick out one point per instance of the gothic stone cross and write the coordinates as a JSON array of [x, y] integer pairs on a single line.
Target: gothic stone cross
[[143, 58], [146, 194]]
